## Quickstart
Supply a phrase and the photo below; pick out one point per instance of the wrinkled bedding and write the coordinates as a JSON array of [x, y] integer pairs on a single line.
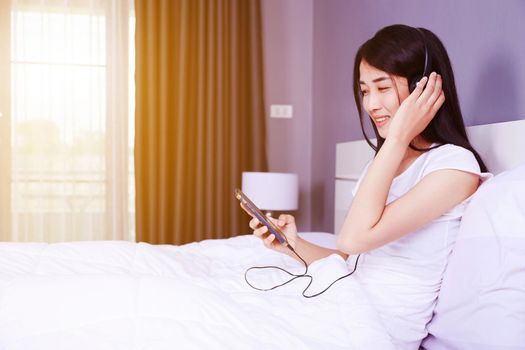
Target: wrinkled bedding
[[122, 295]]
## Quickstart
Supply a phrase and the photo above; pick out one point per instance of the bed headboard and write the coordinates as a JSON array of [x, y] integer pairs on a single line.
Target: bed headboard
[[501, 145]]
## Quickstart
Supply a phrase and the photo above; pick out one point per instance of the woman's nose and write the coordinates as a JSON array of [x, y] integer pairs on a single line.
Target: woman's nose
[[373, 102]]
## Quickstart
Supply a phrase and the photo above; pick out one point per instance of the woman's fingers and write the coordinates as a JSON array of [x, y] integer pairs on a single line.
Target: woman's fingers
[[436, 92], [279, 222], [439, 102], [259, 232], [285, 219], [254, 223], [419, 89], [429, 89], [269, 240]]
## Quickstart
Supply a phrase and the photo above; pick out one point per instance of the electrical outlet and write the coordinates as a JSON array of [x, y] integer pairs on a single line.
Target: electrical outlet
[[281, 111]]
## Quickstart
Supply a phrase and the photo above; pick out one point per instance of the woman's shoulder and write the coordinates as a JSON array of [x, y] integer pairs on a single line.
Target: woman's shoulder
[[450, 156], [450, 149]]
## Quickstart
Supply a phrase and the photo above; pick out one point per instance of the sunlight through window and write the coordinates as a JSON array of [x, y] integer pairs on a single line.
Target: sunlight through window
[[62, 120]]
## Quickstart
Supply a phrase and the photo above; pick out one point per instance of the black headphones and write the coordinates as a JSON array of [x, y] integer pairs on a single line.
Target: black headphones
[[428, 63]]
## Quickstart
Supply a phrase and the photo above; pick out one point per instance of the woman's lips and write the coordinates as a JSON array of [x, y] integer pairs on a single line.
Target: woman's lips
[[381, 120]]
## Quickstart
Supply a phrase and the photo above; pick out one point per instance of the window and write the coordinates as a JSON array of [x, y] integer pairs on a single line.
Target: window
[[72, 114]]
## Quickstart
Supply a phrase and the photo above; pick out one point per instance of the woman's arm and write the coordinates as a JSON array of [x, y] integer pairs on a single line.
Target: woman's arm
[[371, 223], [308, 251], [311, 252], [433, 196]]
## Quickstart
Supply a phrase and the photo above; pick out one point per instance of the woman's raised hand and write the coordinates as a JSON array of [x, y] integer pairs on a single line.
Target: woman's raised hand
[[418, 109]]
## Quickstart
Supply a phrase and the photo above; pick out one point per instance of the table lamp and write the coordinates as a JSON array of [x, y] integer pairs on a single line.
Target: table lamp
[[271, 191]]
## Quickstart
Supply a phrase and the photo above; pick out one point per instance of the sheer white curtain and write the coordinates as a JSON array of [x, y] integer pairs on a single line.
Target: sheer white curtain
[[71, 120]]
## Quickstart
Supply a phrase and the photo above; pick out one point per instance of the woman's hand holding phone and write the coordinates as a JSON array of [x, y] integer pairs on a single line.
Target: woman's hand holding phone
[[285, 223]]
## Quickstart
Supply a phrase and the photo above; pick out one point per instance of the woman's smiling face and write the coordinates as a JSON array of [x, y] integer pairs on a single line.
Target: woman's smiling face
[[382, 94]]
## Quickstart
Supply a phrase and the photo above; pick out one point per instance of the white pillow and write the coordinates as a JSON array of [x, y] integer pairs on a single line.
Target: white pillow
[[481, 304], [322, 239]]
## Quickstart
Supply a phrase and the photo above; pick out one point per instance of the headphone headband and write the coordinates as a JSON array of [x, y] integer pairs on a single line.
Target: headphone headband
[[413, 83], [425, 73]]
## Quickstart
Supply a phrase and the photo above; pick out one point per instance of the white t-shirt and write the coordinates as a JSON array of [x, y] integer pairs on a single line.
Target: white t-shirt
[[403, 278]]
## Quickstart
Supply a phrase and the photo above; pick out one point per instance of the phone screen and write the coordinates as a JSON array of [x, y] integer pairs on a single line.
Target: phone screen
[[248, 204]]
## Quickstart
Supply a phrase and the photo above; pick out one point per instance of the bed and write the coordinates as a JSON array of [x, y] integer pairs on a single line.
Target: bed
[[123, 295]]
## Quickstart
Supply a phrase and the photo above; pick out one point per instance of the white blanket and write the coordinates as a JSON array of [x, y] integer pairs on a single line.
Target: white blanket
[[121, 295]]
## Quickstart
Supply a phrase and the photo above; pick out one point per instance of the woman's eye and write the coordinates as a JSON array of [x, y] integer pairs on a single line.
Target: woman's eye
[[364, 92], [384, 88]]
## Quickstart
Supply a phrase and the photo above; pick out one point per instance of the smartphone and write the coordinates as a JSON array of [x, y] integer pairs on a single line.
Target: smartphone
[[252, 208]]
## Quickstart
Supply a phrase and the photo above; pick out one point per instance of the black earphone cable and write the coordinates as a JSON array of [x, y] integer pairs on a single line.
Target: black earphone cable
[[296, 276]]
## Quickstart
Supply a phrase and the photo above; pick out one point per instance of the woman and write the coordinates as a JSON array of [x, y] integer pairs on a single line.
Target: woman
[[410, 198]]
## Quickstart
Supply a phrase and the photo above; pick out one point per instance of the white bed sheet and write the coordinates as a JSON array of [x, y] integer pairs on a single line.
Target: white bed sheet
[[121, 295]]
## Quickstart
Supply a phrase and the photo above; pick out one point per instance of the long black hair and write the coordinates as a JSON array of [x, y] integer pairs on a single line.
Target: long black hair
[[400, 50]]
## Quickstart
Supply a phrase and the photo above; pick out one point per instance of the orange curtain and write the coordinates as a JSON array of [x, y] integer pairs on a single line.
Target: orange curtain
[[199, 116]]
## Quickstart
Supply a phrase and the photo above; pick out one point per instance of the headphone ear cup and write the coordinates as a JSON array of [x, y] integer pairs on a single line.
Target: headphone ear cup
[[413, 83]]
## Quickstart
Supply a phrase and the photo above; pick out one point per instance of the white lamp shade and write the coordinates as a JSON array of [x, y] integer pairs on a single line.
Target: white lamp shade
[[271, 191]]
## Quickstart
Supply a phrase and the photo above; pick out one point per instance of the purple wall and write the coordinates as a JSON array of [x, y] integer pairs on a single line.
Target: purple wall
[[485, 41], [288, 57]]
